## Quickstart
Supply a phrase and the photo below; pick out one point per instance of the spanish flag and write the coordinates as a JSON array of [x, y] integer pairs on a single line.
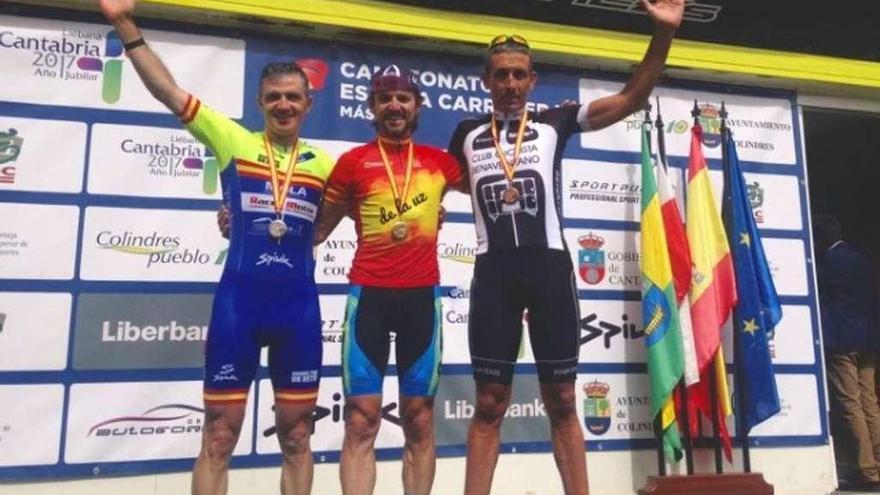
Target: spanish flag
[[713, 291], [659, 309]]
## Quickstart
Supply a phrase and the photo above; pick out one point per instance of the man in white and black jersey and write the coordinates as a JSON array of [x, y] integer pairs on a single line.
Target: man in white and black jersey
[[513, 159]]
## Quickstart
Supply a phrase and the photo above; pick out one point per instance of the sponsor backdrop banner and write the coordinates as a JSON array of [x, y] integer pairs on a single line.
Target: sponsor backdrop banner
[[109, 251]]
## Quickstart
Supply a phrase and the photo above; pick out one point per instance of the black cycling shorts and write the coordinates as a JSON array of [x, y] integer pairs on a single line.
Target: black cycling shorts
[[505, 283], [414, 316]]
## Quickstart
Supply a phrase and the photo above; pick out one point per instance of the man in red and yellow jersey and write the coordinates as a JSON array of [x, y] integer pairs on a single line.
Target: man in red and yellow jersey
[[393, 188]]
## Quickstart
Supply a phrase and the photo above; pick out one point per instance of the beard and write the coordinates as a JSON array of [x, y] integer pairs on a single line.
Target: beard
[[384, 129]]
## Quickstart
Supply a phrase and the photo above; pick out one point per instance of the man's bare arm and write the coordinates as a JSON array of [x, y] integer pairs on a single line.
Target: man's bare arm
[[329, 217], [667, 15], [153, 73]]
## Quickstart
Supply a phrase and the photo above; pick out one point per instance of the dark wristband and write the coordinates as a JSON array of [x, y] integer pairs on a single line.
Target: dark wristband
[[131, 45]]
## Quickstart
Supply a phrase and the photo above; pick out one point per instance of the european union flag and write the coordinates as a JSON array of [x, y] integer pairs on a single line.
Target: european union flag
[[758, 310]]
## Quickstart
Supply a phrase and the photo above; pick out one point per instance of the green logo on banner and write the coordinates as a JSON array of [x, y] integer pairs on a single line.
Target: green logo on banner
[[10, 146], [597, 407]]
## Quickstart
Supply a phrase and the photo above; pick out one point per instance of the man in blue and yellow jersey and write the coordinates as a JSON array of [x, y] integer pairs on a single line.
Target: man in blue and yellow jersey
[[273, 182]]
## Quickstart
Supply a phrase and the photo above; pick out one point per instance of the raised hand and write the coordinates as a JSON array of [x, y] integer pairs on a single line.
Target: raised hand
[[115, 10], [665, 13]]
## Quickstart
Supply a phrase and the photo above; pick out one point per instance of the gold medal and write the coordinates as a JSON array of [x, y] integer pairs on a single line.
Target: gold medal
[[510, 195], [399, 231], [277, 229]]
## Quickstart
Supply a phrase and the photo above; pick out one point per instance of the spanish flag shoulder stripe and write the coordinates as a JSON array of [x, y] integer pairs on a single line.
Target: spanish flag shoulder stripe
[[307, 175], [190, 109], [253, 172], [241, 162]]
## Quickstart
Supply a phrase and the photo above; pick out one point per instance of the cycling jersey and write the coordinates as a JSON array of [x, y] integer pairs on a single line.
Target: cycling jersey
[[393, 279], [267, 293], [244, 172], [522, 261], [361, 181], [535, 219]]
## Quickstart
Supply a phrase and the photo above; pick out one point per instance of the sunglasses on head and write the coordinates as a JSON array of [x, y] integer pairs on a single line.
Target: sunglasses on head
[[502, 39]]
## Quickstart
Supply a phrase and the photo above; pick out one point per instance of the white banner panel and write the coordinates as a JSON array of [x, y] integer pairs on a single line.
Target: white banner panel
[[799, 414], [605, 259], [788, 265], [38, 241], [334, 256], [455, 327], [332, 320], [140, 421], [601, 190], [328, 417], [793, 341], [614, 406], [30, 424], [456, 253], [611, 332], [34, 330], [762, 127], [457, 202], [608, 190], [775, 199], [141, 244], [41, 155], [82, 65], [157, 162]]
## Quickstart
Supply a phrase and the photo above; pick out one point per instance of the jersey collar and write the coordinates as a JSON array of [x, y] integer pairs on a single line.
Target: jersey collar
[[507, 116], [393, 142]]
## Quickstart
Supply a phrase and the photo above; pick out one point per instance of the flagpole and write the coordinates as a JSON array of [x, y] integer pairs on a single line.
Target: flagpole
[[727, 216], [713, 386], [658, 423], [685, 414]]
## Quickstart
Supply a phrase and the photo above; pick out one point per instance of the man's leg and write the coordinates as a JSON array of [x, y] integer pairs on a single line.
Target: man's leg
[[357, 465], [419, 455], [418, 347], [219, 436], [554, 334], [294, 425], [867, 394], [843, 379], [484, 437], [568, 438]]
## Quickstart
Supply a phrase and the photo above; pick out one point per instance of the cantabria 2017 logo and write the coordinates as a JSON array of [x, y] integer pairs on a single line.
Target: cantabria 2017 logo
[[75, 55], [179, 156]]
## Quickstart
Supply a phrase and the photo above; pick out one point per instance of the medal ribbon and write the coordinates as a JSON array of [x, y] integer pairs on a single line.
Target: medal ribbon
[[398, 199], [278, 195], [520, 133]]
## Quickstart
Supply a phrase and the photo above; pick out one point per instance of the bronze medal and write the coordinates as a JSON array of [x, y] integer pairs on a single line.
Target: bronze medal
[[399, 231], [511, 195]]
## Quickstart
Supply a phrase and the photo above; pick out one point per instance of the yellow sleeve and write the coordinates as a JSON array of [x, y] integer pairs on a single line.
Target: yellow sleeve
[[213, 129]]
